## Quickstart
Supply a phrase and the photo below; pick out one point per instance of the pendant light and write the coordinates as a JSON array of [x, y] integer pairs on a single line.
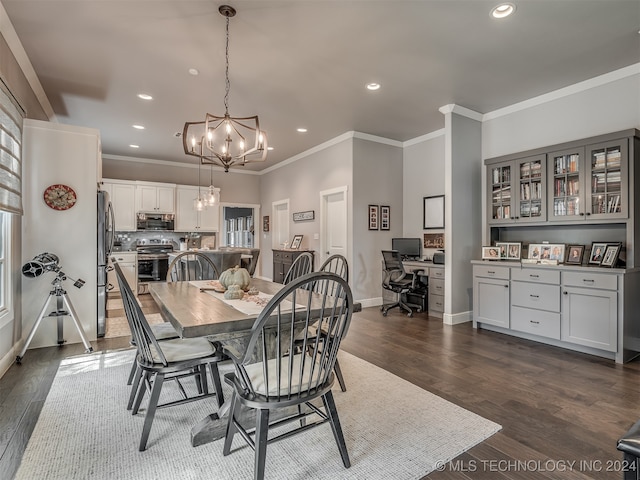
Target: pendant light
[[212, 197], [225, 140], [199, 202]]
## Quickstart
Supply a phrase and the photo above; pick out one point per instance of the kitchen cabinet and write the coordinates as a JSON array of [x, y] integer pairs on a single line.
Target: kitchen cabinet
[[282, 260], [574, 307], [491, 295], [122, 195], [589, 182], [590, 310], [517, 191], [128, 263], [188, 219], [155, 197]]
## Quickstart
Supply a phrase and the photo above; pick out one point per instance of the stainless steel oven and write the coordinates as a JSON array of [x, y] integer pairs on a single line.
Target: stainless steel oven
[[153, 263]]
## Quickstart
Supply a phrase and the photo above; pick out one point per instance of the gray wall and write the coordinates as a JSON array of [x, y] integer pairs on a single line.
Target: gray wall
[[423, 177], [377, 180], [301, 182]]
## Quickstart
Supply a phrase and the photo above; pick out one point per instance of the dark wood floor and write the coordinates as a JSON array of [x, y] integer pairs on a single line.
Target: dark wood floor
[[555, 406]]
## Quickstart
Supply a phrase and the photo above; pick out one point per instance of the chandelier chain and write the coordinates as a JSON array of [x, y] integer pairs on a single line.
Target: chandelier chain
[[226, 72]]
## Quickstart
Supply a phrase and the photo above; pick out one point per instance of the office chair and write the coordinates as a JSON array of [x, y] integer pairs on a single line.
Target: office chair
[[400, 282]]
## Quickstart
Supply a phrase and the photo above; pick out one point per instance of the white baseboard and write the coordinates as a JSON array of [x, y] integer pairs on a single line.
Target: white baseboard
[[457, 318], [9, 358], [370, 302]]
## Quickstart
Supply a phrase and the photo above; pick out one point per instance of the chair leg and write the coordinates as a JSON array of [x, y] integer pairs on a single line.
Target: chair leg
[[217, 384], [134, 367], [330, 406], [262, 431], [231, 426], [135, 385], [151, 410], [338, 372], [142, 388]]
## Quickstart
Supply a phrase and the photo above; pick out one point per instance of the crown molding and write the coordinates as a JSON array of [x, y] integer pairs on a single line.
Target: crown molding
[[424, 138], [594, 82], [168, 163], [459, 110]]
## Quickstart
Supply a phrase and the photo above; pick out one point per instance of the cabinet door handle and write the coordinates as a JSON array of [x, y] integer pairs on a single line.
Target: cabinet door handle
[[588, 213], [581, 214], [506, 286], [565, 292]]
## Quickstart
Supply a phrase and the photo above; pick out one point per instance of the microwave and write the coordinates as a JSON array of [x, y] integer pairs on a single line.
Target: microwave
[[155, 221]]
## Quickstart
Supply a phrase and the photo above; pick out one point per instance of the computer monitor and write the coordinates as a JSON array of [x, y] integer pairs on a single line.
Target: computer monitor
[[408, 248]]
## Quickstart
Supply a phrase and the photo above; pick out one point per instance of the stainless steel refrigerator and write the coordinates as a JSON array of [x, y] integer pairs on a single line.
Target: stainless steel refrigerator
[[105, 245]]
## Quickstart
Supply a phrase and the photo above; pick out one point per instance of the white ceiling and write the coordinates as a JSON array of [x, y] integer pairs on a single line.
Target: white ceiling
[[306, 62]]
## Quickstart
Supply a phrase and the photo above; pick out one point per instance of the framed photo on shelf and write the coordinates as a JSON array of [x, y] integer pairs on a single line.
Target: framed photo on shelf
[[295, 243], [574, 256], [509, 250], [597, 253], [535, 251], [490, 253], [373, 217], [433, 212], [610, 256], [385, 217]]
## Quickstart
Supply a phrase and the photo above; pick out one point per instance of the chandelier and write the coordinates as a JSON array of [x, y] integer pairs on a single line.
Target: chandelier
[[225, 141]]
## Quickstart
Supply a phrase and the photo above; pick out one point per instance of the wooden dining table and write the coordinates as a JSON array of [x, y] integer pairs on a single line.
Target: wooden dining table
[[195, 311]]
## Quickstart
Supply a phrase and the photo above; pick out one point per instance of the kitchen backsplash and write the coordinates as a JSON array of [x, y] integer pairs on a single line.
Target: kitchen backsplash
[[129, 240]]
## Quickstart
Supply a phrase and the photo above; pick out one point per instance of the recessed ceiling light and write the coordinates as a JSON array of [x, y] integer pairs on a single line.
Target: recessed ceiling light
[[138, 127], [134, 146], [373, 86], [193, 71], [503, 10], [301, 130], [145, 96]]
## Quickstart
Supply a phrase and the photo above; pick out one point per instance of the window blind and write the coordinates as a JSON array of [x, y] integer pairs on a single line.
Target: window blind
[[11, 115]]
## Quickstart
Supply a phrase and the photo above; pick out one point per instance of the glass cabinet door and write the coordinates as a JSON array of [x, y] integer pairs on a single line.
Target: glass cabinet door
[[531, 194], [500, 187], [608, 179], [565, 186]]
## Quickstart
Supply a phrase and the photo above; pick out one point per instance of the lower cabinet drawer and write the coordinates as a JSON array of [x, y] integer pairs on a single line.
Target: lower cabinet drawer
[[491, 271], [534, 295], [589, 279], [436, 303], [436, 286], [536, 322]]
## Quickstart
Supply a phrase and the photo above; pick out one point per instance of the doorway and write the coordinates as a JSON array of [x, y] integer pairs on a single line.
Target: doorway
[[333, 223], [238, 226]]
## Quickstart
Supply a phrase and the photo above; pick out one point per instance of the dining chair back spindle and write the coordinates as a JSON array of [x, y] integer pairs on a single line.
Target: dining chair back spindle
[[302, 265], [187, 266]]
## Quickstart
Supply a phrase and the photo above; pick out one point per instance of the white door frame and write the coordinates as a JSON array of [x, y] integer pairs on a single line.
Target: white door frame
[[276, 227], [324, 194], [257, 226]]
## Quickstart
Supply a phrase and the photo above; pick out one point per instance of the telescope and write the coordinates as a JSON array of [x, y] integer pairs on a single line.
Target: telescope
[[48, 262]]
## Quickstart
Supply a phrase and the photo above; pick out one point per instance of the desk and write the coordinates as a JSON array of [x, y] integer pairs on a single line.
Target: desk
[[194, 313], [433, 275]]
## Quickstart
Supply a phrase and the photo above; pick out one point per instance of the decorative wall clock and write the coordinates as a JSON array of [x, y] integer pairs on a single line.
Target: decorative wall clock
[[60, 197]]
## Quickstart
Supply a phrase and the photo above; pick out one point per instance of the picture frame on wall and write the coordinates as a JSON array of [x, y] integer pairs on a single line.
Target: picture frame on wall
[[610, 256], [433, 212], [574, 254], [373, 217], [385, 217]]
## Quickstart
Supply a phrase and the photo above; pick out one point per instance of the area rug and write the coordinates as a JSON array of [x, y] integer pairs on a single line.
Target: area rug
[[393, 430]]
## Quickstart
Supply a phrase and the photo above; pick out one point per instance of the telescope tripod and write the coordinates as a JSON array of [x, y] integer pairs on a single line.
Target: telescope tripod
[[62, 300]]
